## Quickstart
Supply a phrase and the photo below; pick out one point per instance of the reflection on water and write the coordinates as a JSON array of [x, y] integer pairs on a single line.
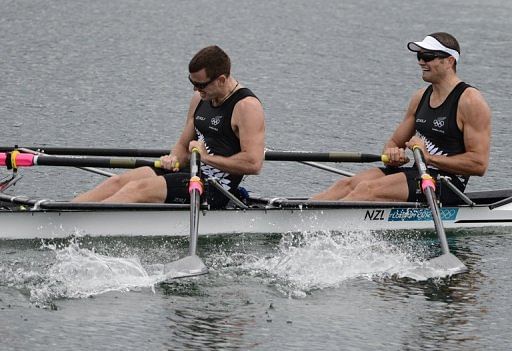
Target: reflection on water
[[442, 311], [210, 325]]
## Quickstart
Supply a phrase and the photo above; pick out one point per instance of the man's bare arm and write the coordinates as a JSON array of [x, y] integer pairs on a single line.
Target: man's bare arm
[[395, 147], [179, 152], [475, 116], [248, 122]]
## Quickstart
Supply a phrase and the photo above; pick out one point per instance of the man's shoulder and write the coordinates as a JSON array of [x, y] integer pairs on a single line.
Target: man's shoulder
[[248, 110], [473, 103], [247, 104], [471, 97]]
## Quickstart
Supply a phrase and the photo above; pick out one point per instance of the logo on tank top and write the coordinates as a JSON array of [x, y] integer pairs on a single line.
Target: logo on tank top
[[439, 122], [214, 122]]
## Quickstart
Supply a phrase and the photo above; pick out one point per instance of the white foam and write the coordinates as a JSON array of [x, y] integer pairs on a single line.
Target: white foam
[[79, 272], [310, 261]]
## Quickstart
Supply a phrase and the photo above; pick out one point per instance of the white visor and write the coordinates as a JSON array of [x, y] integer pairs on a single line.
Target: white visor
[[432, 44]]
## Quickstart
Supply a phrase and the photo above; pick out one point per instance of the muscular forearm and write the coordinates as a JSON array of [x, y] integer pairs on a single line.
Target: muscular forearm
[[181, 153], [462, 164], [241, 163]]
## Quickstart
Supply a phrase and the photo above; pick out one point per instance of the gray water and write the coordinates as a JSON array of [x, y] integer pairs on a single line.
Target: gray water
[[332, 76]]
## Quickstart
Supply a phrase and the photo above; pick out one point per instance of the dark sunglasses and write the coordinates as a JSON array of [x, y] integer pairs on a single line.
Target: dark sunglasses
[[428, 56], [201, 85]]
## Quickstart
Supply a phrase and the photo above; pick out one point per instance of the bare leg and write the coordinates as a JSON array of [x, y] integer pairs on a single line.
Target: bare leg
[[113, 184], [149, 189], [345, 186], [388, 188]]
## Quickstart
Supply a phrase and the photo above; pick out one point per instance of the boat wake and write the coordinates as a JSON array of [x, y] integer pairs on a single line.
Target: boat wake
[[79, 272], [310, 261], [296, 264]]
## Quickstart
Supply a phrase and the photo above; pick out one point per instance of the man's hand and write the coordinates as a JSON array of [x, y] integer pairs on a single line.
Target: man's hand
[[396, 156], [200, 146], [417, 141], [170, 162]]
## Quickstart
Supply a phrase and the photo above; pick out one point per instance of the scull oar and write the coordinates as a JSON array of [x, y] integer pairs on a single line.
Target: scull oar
[[270, 155], [191, 265], [447, 261], [17, 159]]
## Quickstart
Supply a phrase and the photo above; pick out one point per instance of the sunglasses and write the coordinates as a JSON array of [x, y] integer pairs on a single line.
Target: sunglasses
[[201, 85], [428, 56]]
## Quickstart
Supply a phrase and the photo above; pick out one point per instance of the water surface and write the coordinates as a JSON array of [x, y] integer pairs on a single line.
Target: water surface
[[331, 76]]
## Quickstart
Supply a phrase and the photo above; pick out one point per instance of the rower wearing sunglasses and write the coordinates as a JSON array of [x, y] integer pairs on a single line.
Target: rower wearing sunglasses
[[225, 123], [448, 119]]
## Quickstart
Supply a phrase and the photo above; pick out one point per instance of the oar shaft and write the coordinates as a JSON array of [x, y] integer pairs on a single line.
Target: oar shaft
[[195, 189], [436, 216], [194, 222], [26, 160], [323, 156], [428, 188], [90, 151], [89, 161]]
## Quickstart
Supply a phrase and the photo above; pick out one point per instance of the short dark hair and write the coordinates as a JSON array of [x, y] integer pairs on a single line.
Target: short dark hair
[[449, 41], [213, 59]]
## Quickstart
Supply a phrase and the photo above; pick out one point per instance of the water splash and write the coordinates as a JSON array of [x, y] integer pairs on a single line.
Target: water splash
[[78, 272], [309, 261]]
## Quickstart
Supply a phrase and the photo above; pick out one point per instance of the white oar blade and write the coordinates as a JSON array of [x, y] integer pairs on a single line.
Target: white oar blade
[[448, 262], [188, 266], [442, 266]]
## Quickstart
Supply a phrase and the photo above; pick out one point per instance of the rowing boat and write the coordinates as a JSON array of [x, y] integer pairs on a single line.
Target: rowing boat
[[26, 218], [23, 217], [29, 218]]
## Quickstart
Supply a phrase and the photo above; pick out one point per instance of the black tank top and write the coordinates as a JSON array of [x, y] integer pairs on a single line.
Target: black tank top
[[438, 126], [213, 126]]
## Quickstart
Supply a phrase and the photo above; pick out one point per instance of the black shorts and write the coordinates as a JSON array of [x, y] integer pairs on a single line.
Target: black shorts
[[444, 193], [177, 190]]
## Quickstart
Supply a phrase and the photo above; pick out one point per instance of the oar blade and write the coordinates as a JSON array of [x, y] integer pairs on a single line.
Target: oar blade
[[189, 266], [449, 263], [445, 265]]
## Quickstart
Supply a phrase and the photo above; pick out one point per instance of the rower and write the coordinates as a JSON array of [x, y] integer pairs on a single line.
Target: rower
[[225, 122], [448, 120]]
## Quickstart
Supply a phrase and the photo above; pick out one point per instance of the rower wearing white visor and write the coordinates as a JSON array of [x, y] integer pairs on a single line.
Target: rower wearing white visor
[[448, 119]]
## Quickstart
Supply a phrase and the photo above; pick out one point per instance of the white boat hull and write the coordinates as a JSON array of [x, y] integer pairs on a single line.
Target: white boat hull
[[64, 223]]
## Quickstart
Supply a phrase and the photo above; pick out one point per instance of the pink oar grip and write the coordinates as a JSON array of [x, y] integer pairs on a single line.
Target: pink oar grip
[[195, 184], [16, 159], [428, 183], [24, 160]]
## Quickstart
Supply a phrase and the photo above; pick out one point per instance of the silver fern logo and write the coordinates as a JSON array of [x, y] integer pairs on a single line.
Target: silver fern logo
[[212, 172], [431, 147]]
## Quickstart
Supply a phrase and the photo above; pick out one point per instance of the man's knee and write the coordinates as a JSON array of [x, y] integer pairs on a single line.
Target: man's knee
[[363, 186], [114, 183], [120, 180], [144, 190]]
